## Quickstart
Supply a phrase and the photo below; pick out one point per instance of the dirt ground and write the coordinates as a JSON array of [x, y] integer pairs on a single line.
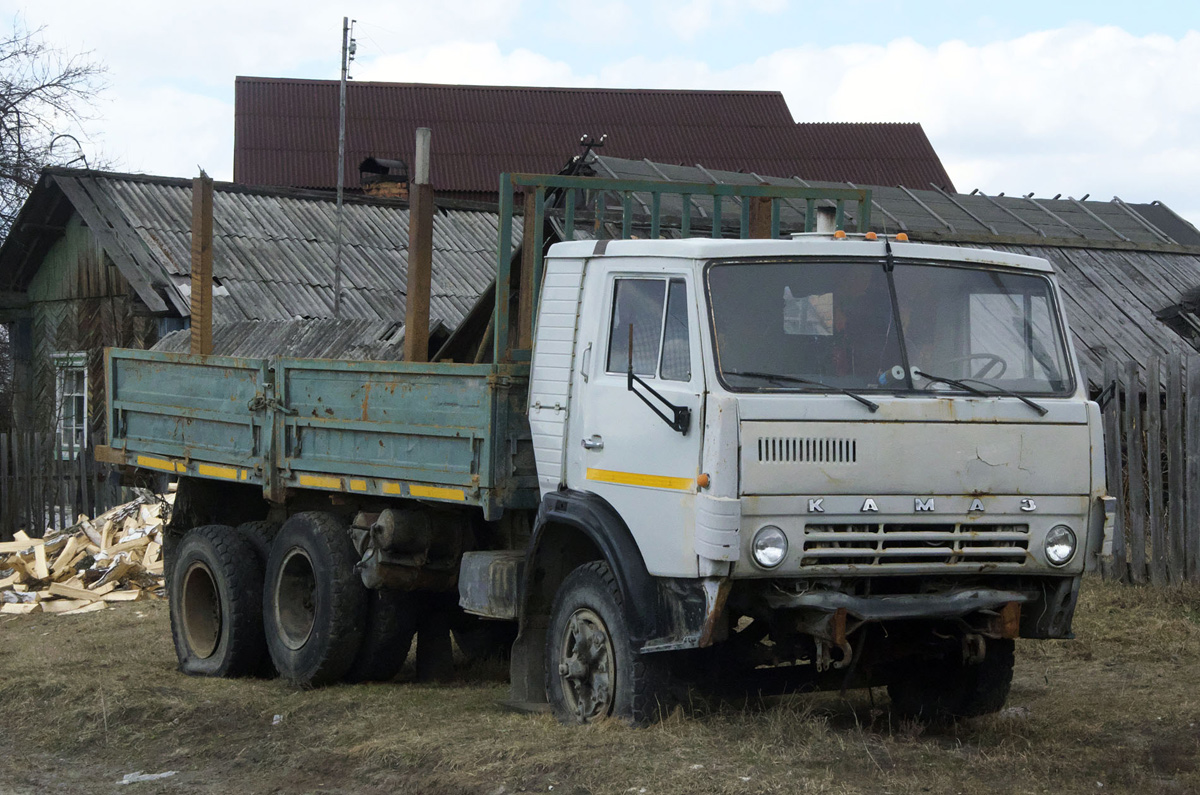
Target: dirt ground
[[85, 700]]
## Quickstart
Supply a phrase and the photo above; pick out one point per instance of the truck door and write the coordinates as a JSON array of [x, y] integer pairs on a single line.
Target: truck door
[[619, 447]]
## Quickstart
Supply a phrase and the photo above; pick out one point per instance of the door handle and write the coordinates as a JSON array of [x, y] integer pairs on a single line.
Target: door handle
[[595, 443]]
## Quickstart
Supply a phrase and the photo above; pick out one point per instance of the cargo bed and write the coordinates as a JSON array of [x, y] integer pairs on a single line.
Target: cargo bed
[[454, 433]]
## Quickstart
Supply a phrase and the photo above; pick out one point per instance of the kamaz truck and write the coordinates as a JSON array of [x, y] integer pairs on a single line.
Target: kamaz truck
[[778, 463]]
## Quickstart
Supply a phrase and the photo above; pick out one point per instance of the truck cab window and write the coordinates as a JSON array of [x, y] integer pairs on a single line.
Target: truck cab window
[[676, 353], [823, 321], [637, 303], [992, 325]]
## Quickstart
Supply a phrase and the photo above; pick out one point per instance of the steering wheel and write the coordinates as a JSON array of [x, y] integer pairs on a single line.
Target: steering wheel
[[993, 362]]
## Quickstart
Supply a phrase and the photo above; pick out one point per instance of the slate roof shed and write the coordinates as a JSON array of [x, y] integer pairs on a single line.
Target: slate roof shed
[[273, 249], [99, 259]]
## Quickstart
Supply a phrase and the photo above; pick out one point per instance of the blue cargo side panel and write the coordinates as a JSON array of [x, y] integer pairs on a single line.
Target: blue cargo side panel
[[425, 423], [189, 407]]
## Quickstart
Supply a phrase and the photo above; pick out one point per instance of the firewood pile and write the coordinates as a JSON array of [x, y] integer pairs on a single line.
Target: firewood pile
[[115, 557]]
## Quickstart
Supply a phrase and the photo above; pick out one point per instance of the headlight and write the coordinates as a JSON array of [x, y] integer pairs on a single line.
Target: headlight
[[1060, 544], [770, 547]]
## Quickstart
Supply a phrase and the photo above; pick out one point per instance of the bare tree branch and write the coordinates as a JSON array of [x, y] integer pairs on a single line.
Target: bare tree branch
[[46, 99]]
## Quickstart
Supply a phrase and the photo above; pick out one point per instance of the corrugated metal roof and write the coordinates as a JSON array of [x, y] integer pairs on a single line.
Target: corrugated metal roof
[[274, 251], [308, 339], [935, 214], [285, 133]]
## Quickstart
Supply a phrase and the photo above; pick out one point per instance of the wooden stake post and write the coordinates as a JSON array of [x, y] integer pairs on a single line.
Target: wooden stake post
[[420, 255], [202, 275]]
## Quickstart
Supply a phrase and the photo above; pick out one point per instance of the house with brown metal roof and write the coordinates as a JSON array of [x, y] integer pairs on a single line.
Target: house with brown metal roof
[[286, 134]]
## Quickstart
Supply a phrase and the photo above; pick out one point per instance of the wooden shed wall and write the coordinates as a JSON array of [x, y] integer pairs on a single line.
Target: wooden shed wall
[[80, 302]]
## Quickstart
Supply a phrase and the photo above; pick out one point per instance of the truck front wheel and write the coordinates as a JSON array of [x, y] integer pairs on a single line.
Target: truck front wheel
[[950, 688], [314, 603], [592, 671]]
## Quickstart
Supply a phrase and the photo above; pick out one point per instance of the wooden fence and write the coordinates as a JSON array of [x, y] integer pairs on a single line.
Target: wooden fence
[[1152, 450], [44, 485]]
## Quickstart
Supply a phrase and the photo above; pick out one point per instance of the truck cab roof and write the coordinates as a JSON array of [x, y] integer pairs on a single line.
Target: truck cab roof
[[809, 245]]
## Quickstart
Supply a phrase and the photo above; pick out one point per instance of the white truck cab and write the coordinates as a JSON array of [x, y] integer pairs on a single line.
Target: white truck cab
[[861, 458]]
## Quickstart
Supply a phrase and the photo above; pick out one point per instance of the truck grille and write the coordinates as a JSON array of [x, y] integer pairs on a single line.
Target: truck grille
[[807, 450], [894, 544]]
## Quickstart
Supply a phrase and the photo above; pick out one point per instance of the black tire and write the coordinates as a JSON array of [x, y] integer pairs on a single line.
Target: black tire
[[610, 679], [480, 639], [171, 537], [260, 535], [387, 639], [216, 604], [949, 689], [314, 603]]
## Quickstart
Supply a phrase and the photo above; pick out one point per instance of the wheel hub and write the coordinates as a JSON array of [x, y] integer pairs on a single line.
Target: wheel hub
[[201, 610], [295, 599], [586, 668]]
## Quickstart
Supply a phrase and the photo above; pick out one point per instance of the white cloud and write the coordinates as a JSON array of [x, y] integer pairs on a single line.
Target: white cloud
[[467, 62], [1074, 110], [687, 19], [206, 42], [168, 131]]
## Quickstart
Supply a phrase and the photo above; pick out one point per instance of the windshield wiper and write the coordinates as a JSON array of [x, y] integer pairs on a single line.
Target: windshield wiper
[[780, 378], [965, 384]]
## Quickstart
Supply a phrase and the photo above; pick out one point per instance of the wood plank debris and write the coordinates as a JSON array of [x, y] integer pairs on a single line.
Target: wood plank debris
[[113, 558]]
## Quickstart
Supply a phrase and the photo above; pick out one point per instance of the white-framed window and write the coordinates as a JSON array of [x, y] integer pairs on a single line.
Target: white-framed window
[[71, 396]]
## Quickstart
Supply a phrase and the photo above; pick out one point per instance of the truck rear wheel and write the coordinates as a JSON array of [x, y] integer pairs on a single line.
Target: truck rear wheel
[[216, 604], [260, 534], [480, 639], [314, 603], [391, 625], [592, 671], [949, 688]]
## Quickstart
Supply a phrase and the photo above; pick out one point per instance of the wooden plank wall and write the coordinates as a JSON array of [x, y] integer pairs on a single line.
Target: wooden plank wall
[[80, 302], [42, 486], [1152, 454]]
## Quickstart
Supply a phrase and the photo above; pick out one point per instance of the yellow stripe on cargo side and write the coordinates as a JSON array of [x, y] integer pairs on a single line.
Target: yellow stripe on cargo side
[[636, 479], [229, 473], [320, 481], [437, 493], [161, 464], [392, 488], [358, 485]]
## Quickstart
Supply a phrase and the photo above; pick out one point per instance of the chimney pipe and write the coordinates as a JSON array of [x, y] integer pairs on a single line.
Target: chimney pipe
[[420, 254], [826, 220]]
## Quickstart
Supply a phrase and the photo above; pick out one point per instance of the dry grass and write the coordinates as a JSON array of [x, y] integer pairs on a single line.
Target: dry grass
[[88, 699]]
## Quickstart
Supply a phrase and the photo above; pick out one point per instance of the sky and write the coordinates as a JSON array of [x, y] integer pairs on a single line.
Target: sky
[[1050, 97]]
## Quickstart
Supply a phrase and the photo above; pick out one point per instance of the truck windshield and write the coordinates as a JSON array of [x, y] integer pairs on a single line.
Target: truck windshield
[[838, 324]]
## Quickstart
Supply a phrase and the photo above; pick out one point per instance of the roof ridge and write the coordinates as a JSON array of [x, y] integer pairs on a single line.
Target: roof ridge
[[302, 194], [479, 87], [858, 124]]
